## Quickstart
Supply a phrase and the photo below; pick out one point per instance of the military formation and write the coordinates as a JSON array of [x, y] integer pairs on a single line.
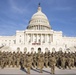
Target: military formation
[[38, 60]]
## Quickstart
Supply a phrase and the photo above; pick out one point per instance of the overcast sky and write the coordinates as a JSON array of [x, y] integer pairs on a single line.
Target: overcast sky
[[15, 15]]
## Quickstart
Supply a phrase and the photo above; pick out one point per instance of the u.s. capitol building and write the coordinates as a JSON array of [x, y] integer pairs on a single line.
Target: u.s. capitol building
[[38, 34]]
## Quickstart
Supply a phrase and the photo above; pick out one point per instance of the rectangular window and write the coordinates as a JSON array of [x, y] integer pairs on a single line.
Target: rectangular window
[[14, 41]]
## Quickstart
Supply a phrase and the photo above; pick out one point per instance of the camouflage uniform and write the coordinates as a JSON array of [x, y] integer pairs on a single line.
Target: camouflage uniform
[[52, 63], [63, 60], [34, 60], [38, 56], [46, 60], [18, 61], [58, 63], [3, 62], [41, 62], [14, 60], [28, 63], [24, 60], [0, 60], [72, 61], [10, 60], [69, 62], [75, 61]]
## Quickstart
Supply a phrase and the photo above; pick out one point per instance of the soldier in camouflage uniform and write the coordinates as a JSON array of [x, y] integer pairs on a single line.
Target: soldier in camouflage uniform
[[35, 60], [14, 59], [38, 56], [41, 62], [46, 59], [32, 60], [58, 60], [75, 60], [28, 62], [69, 61], [63, 60], [7, 55], [52, 63], [10, 60], [72, 61], [3, 61], [18, 61], [24, 60], [0, 59]]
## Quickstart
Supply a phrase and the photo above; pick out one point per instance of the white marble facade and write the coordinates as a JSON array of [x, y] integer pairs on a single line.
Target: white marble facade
[[38, 34]]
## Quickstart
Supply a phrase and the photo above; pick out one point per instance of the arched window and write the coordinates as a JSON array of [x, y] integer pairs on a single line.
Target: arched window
[[14, 41], [20, 41], [32, 49], [25, 49], [60, 49], [53, 49], [46, 49], [39, 49], [18, 49]]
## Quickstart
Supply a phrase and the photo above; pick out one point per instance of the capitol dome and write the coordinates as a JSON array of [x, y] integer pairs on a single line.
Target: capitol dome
[[39, 21]]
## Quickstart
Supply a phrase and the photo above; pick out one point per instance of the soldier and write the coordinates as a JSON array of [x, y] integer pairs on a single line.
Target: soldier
[[3, 62], [46, 59], [41, 62], [52, 63], [69, 61], [28, 62], [63, 60], [10, 60], [72, 61], [38, 55], [5, 59], [24, 60], [58, 59], [1, 56], [18, 61], [18, 55], [66, 61], [14, 59], [0, 59], [34, 60], [7, 55]]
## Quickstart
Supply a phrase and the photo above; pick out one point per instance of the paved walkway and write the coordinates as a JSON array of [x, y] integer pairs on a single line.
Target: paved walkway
[[36, 71]]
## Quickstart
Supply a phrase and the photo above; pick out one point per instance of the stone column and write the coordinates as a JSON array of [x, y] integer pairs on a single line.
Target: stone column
[[32, 38], [37, 37], [26, 37], [45, 38], [41, 38], [49, 38]]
